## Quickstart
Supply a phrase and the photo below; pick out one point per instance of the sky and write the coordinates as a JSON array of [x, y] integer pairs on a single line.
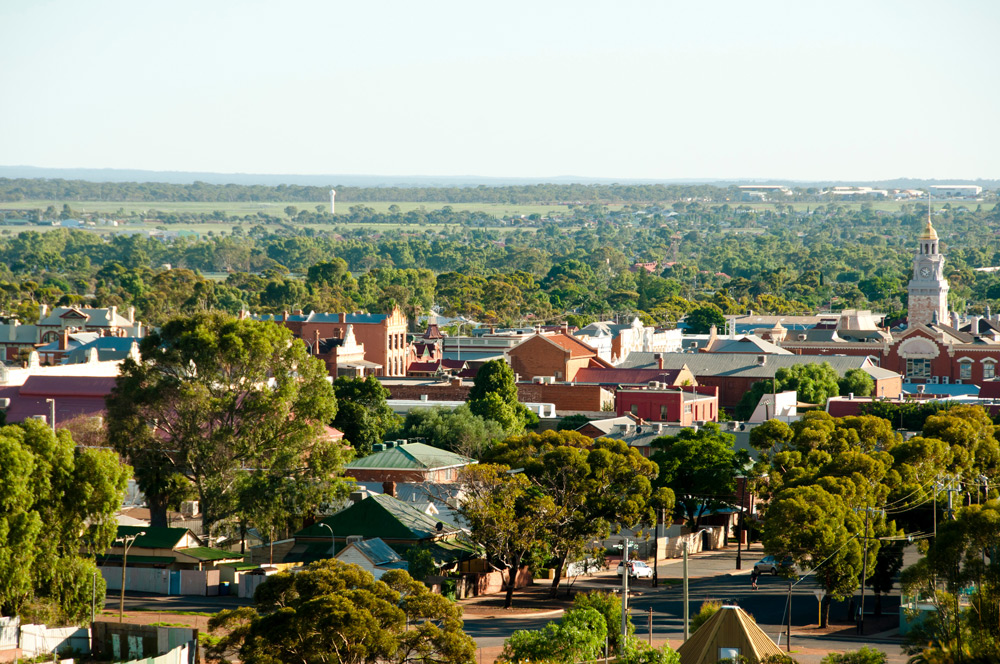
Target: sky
[[633, 90]]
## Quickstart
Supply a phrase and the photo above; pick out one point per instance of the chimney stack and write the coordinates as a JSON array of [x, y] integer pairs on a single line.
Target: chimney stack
[[659, 361], [316, 342], [389, 489]]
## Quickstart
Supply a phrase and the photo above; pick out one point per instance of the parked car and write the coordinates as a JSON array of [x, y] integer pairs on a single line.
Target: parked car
[[637, 570], [771, 565]]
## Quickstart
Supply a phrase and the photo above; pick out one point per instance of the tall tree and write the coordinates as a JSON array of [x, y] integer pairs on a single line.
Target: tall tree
[[238, 408], [336, 612], [58, 512], [494, 396], [700, 467], [507, 515], [596, 485], [362, 412]]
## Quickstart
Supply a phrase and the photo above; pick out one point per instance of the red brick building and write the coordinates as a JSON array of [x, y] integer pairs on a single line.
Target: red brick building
[[407, 462], [382, 335], [684, 406], [559, 356]]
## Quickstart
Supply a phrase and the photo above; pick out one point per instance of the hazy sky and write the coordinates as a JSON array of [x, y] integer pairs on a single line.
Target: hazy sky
[[694, 89]]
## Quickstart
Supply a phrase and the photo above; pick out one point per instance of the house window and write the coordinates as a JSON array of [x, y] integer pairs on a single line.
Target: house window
[[918, 368], [729, 654], [989, 370], [634, 409], [965, 370], [663, 413], [687, 408]]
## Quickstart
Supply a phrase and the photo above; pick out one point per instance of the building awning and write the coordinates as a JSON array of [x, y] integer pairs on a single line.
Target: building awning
[[360, 364]]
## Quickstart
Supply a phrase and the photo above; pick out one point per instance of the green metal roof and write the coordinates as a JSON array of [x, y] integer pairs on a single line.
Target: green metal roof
[[378, 516], [205, 554], [116, 558], [154, 537], [410, 456]]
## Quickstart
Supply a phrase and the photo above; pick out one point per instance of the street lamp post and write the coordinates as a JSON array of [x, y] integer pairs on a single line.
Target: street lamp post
[[739, 535], [333, 542], [127, 541]]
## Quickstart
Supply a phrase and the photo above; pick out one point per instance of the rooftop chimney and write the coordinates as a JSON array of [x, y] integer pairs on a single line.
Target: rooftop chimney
[[131, 315], [316, 342], [389, 489], [659, 361], [761, 360]]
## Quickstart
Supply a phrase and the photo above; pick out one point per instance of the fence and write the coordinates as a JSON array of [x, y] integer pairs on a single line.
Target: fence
[[9, 629], [41, 640], [183, 654]]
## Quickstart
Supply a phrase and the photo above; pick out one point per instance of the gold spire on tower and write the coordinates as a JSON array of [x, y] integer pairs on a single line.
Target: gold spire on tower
[[929, 232]]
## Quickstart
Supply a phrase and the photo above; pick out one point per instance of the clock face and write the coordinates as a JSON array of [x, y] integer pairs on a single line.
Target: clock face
[[925, 272]]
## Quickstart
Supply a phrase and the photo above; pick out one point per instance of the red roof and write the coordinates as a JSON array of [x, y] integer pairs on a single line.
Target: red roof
[[575, 347], [990, 389], [625, 376], [68, 386], [423, 366]]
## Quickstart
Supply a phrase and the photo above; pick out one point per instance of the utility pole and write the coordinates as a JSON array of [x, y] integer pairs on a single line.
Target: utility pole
[[625, 574], [686, 632], [127, 541], [864, 569], [788, 625], [742, 524]]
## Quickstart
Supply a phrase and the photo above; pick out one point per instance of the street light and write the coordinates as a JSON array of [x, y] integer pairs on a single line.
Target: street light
[[333, 542], [127, 541], [739, 535]]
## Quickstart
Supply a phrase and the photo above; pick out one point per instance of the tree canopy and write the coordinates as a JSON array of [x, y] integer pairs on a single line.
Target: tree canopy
[[700, 467], [596, 484], [362, 412], [59, 505], [493, 396], [336, 610], [238, 409]]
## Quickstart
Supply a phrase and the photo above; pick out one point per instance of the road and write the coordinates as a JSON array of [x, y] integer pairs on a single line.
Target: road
[[713, 577], [717, 579]]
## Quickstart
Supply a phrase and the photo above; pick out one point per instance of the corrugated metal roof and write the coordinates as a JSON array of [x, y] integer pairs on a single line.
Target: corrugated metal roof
[[742, 364], [620, 376], [206, 554], [411, 456], [378, 516], [730, 627], [154, 538], [377, 551]]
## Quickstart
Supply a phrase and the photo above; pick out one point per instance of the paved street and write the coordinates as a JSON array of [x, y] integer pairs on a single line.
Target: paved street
[[713, 577]]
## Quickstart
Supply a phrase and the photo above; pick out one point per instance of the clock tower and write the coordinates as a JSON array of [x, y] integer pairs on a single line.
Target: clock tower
[[928, 289]]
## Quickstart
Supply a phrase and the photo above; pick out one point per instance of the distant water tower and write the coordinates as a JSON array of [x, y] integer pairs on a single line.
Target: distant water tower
[[333, 202]]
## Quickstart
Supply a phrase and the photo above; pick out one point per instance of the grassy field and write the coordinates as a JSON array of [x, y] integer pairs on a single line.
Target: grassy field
[[273, 208]]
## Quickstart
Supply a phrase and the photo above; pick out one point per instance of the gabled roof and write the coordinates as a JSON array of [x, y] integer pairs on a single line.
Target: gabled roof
[[375, 550], [619, 376], [154, 537], [567, 342], [108, 349], [747, 365], [410, 456], [745, 344], [729, 627], [378, 516]]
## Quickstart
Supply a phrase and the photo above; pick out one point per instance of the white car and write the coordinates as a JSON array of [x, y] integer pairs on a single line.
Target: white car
[[637, 570]]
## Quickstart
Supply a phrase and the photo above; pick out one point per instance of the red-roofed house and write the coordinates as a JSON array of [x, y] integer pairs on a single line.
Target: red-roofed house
[[74, 396], [559, 355]]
